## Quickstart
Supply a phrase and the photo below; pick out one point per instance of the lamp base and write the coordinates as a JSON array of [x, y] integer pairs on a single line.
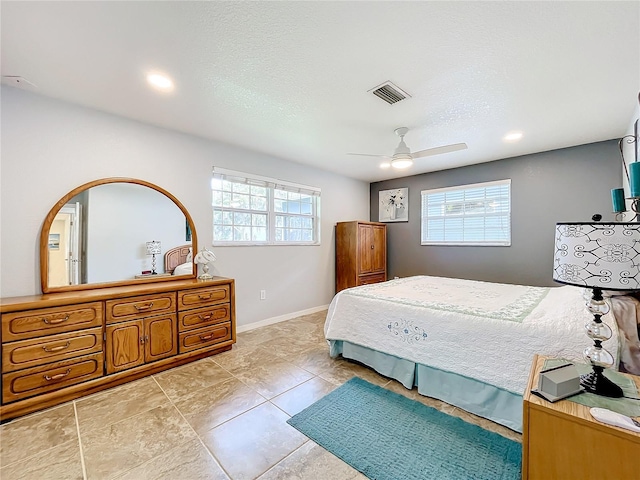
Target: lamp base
[[205, 276], [596, 382]]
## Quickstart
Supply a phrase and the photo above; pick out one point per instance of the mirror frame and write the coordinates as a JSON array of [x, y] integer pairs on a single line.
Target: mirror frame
[[46, 227]]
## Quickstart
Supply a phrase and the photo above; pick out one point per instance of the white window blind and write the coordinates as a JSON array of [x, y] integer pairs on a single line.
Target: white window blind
[[478, 214], [250, 209]]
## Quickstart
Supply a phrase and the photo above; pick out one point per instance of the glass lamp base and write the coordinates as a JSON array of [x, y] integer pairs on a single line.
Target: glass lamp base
[[596, 382]]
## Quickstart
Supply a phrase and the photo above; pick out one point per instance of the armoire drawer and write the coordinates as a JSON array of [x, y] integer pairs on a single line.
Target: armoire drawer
[[130, 308], [48, 321], [200, 297], [203, 317], [52, 348], [369, 279], [204, 337], [37, 380]]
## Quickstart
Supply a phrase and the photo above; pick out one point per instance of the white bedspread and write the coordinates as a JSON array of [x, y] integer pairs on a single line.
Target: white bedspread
[[486, 331]]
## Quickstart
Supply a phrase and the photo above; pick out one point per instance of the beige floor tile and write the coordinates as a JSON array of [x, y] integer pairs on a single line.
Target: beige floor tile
[[31, 435], [127, 444], [300, 397], [312, 462], [244, 359], [315, 359], [180, 382], [209, 407], [119, 403], [273, 378], [58, 463], [250, 444], [188, 461]]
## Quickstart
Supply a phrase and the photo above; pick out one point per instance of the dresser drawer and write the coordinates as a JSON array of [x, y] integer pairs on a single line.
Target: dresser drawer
[[53, 348], [37, 380], [48, 321], [138, 307], [201, 297], [205, 337], [369, 279], [202, 317]]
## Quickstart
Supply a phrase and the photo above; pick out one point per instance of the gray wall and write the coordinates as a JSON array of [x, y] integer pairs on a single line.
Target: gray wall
[[561, 185]]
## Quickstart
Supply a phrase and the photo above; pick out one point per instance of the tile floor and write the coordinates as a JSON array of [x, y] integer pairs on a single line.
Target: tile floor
[[222, 417]]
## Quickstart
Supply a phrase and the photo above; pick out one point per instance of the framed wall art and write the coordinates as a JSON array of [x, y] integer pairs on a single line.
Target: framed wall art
[[394, 205]]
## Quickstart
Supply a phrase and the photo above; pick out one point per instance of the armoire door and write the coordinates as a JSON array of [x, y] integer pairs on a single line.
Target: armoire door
[[378, 253], [365, 249]]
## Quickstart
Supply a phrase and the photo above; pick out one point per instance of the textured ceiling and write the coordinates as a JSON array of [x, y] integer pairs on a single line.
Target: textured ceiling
[[291, 79]]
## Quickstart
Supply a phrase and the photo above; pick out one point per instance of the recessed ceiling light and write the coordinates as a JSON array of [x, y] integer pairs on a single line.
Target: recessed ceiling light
[[385, 164], [512, 136], [160, 82]]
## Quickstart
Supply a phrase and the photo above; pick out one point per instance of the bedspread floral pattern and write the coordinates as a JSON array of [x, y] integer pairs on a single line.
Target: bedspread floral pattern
[[474, 298], [406, 331]]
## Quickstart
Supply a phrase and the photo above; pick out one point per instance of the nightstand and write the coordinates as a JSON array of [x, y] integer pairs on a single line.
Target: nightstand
[[563, 441]]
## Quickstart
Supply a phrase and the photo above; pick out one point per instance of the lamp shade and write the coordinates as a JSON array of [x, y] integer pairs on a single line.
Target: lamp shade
[[598, 255], [204, 256], [153, 248]]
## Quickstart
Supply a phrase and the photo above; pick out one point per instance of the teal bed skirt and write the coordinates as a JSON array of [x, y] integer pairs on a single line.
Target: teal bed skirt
[[487, 401]]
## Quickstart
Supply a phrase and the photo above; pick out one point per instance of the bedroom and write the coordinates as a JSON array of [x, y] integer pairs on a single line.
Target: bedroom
[[51, 146]]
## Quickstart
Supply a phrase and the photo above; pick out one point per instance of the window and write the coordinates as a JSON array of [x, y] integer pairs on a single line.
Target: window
[[478, 214], [253, 210]]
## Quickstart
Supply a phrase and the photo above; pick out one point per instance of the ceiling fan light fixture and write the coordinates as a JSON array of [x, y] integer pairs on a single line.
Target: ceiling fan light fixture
[[402, 161]]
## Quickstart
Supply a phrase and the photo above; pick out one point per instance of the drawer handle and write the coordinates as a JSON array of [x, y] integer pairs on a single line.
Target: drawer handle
[[56, 321], [204, 318], [58, 348], [144, 307], [144, 339], [371, 247], [204, 338], [202, 296], [58, 376]]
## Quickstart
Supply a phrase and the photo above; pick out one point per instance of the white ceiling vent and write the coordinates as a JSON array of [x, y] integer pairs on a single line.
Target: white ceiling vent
[[389, 92]]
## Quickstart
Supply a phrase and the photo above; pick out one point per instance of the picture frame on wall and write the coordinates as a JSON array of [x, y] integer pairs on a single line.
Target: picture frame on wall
[[394, 205]]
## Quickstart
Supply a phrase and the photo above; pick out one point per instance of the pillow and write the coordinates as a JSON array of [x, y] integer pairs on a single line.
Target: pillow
[[183, 269]]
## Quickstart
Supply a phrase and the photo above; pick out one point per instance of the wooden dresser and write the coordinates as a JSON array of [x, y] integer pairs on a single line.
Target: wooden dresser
[[361, 254], [562, 440], [60, 346]]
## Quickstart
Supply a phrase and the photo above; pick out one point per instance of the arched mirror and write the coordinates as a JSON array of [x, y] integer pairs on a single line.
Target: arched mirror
[[115, 231]]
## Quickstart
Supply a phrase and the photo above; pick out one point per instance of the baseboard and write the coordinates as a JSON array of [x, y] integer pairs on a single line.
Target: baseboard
[[280, 318]]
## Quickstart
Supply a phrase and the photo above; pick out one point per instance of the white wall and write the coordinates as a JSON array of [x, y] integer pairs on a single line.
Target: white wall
[[50, 147]]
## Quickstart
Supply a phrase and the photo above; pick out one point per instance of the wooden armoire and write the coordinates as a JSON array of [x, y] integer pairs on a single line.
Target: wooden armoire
[[361, 253]]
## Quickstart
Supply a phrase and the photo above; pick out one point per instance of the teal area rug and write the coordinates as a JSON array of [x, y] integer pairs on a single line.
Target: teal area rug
[[387, 436]]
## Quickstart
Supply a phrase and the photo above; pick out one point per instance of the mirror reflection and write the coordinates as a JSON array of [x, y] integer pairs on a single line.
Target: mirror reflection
[[115, 232]]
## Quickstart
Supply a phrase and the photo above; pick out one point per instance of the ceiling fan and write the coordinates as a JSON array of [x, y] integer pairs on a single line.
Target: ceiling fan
[[402, 156]]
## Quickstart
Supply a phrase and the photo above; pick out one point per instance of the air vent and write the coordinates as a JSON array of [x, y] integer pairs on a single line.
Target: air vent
[[389, 93]]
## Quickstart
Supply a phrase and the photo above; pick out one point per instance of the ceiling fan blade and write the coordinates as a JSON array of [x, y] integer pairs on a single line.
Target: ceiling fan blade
[[369, 155], [438, 150]]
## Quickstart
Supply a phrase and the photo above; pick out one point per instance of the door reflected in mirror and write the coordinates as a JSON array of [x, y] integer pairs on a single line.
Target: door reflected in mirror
[[99, 234]]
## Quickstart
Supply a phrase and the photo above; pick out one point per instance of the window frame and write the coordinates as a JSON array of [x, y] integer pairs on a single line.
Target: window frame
[[271, 185], [463, 188]]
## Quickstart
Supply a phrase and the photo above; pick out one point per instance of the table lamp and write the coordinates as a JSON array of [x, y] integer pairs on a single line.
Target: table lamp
[[598, 256], [153, 248], [204, 257]]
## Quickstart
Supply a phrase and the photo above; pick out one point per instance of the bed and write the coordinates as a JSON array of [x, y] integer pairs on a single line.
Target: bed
[[177, 261], [465, 342]]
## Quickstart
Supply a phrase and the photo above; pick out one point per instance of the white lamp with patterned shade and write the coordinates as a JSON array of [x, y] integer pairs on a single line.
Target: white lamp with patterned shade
[[598, 256], [204, 257], [153, 248]]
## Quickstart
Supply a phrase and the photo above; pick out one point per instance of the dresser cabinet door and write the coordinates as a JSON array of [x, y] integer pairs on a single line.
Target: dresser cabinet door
[[161, 337], [125, 345]]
